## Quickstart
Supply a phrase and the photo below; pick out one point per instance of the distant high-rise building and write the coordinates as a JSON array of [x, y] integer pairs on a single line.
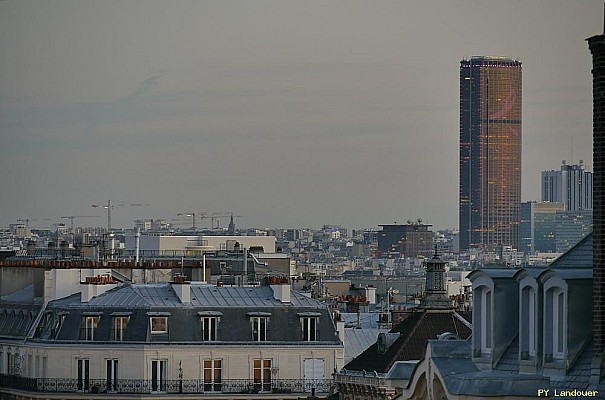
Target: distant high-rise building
[[572, 186], [539, 226], [409, 240], [490, 152]]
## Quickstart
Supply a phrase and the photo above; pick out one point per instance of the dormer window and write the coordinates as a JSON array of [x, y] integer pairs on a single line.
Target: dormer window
[[528, 319], [558, 324], [486, 321], [158, 322], [483, 311], [210, 328], [210, 322], [120, 320], [309, 323], [555, 320], [90, 324], [259, 322]]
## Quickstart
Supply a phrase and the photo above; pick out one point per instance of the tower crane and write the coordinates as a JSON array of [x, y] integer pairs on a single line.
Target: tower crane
[[217, 215], [109, 206], [201, 215], [72, 217]]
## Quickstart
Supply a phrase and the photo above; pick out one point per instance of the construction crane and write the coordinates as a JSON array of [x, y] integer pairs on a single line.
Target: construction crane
[[109, 206], [218, 215], [201, 215], [72, 217]]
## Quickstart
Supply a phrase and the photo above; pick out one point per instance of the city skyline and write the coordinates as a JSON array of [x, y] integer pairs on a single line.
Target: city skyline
[[289, 114]]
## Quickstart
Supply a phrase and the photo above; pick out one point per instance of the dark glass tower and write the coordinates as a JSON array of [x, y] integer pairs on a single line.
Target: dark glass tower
[[490, 152], [597, 48]]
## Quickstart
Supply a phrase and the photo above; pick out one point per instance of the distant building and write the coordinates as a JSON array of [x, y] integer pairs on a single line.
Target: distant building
[[572, 186], [409, 240], [548, 227], [538, 226], [490, 152]]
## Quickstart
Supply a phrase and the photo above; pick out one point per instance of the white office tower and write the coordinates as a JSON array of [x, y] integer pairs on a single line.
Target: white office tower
[[572, 186]]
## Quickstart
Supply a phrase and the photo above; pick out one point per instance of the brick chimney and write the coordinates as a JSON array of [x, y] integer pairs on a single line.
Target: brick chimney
[[596, 45]]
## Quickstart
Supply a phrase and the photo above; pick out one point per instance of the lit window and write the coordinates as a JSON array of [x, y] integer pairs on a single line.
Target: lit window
[[119, 328], [213, 375], [262, 374], [90, 327], [159, 324]]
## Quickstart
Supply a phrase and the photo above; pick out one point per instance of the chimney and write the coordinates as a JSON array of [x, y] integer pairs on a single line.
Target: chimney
[[182, 288], [340, 326], [596, 45], [281, 288], [94, 286]]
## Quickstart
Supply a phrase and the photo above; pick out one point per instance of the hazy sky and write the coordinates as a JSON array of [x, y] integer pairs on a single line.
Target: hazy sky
[[289, 113]]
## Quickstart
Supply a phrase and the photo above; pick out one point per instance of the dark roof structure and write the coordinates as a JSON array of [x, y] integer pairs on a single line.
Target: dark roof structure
[[414, 332]]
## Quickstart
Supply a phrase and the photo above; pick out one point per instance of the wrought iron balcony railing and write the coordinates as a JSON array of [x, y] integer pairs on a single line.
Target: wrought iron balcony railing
[[141, 386]]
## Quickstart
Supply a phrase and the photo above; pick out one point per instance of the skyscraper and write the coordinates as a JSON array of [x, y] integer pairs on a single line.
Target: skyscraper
[[572, 186], [490, 152]]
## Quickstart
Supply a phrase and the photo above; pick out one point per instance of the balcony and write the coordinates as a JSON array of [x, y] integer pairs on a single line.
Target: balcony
[[90, 387]]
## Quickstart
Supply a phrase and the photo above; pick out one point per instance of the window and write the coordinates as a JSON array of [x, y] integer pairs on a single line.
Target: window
[[309, 329], [486, 321], [83, 374], [528, 322], [90, 327], [119, 328], [159, 324], [558, 327], [159, 375], [259, 328], [213, 375], [262, 374], [210, 328], [112, 375]]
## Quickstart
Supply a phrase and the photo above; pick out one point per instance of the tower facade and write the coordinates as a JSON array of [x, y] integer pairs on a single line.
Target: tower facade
[[490, 152], [596, 45], [572, 186]]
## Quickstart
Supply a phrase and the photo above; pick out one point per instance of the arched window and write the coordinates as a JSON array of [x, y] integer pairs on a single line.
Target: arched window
[[528, 317], [483, 315], [555, 320], [558, 325], [486, 321]]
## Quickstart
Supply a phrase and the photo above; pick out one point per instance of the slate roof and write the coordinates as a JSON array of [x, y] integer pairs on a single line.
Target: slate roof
[[18, 312], [202, 295], [414, 332], [63, 320], [579, 256], [357, 340], [509, 362]]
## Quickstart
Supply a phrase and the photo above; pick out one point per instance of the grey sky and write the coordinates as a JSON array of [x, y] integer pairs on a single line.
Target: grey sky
[[290, 113]]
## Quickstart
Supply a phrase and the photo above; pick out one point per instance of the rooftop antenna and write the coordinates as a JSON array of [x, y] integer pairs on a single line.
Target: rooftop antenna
[[571, 155]]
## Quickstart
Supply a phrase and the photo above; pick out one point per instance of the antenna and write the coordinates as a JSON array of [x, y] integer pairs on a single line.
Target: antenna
[[571, 155]]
